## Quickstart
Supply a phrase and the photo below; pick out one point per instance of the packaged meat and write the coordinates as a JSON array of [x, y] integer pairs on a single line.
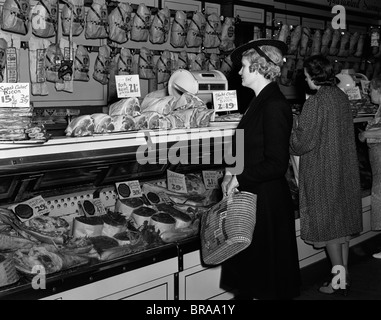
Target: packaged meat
[[141, 24], [37, 66], [76, 8], [102, 64], [120, 22], [160, 25], [196, 30], [81, 64], [228, 34], [287, 72], [344, 45], [213, 63], [360, 45], [147, 68], [44, 18], [353, 42], [212, 36], [53, 59], [16, 16], [164, 67], [102, 123], [226, 65], [284, 33], [97, 20], [124, 62], [179, 30]]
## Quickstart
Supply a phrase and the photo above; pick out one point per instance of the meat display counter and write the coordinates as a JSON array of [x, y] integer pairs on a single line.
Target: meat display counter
[[65, 170]]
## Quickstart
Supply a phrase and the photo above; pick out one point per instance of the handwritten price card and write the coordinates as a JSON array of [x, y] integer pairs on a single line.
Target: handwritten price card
[[129, 189], [225, 100], [14, 95], [210, 179], [128, 86], [353, 93], [176, 182]]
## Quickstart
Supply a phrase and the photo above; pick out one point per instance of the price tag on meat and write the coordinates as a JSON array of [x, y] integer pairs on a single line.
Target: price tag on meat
[[176, 182], [225, 101], [210, 179], [14, 95], [129, 189], [34, 207], [128, 86]]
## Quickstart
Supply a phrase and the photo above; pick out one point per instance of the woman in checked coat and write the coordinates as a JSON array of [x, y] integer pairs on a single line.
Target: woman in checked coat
[[329, 179]]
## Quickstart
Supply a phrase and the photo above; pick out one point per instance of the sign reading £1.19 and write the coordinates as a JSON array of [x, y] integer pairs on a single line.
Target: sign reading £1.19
[[14, 95], [225, 101], [128, 86]]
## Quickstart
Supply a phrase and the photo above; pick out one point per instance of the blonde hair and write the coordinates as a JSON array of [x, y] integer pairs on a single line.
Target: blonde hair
[[269, 70]]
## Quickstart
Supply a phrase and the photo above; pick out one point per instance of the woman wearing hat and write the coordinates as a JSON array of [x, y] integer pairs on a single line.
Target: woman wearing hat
[[269, 267]]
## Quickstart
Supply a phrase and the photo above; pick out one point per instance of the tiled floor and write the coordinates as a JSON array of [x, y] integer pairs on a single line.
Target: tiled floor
[[365, 274]]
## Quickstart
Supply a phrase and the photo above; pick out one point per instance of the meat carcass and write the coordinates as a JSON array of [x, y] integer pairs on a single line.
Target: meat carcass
[[228, 34], [123, 123], [344, 44], [326, 41], [147, 68], [287, 72], [360, 45], [196, 30], [80, 127], [296, 35], [212, 37], [316, 42], [306, 34], [284, 33], [120, 22], [334, 48], [353, 42]]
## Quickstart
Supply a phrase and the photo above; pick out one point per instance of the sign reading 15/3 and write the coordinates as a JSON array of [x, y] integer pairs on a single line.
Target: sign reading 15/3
[[15, 95]]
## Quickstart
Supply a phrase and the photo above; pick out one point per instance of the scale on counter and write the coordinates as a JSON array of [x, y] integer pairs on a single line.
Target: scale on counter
[[200, 83]]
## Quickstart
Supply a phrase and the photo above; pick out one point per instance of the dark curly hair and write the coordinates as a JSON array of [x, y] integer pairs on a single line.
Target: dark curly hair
[[320, 70]]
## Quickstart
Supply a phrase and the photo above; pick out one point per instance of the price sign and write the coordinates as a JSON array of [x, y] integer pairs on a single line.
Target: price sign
[[14, 95], [353, 93], [176, 182], [129, 189], [128, 86], [225, 101], [37, 205], [210, 179]]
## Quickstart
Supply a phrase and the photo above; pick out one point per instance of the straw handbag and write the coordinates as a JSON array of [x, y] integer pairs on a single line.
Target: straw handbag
[[227, 228]]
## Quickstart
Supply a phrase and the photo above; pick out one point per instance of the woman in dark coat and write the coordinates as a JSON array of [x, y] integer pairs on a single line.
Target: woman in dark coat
[[329, 178], [269, 267]]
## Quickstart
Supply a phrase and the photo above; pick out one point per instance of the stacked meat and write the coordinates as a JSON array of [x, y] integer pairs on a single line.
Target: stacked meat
[[157, 111], [14, 122]]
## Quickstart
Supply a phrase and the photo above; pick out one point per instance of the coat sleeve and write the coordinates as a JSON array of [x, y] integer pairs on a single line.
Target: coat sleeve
[[277, 124], [306, 135]]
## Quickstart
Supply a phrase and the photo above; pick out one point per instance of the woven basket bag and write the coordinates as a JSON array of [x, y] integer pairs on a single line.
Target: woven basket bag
[[227, 228]]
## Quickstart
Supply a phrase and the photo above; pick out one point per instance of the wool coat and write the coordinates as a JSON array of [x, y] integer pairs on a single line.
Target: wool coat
[[269, 267], [329, 179]]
